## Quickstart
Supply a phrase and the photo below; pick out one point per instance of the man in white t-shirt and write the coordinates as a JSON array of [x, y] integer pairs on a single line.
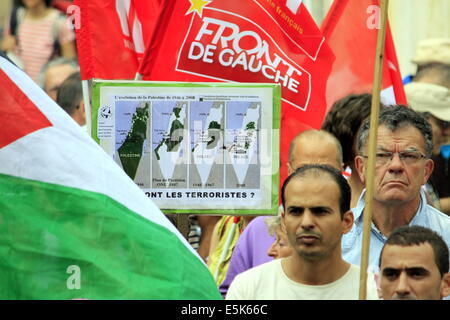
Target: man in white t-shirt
[[317, 213]]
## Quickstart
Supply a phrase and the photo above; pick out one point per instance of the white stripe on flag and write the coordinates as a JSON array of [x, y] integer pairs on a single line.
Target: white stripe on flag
[[65, 155], [388, 96], [293, 5]]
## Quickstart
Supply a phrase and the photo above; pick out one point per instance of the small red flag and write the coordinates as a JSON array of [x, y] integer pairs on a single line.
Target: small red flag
[[350, 29], [112, 36]]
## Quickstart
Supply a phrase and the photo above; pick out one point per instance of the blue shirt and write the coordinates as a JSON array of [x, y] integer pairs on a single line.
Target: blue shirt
[[426, 216]]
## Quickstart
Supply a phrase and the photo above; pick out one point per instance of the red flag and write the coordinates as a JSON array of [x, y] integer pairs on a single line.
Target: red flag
[[350, 28], [112, 36], [246, 41]]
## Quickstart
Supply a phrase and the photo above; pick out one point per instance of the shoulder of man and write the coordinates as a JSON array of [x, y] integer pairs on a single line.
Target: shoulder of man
[[371, 284], [439, 222], [244, 284]]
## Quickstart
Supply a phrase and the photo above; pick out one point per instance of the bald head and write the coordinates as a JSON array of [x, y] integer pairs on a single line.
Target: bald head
[[314, 147]]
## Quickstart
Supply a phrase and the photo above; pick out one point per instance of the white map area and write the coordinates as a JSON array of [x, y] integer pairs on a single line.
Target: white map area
[[206, 147], [164, 113], [243, 135]]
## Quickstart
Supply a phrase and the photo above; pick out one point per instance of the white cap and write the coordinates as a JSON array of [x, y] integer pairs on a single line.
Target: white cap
[[428, 97], [433, 50]]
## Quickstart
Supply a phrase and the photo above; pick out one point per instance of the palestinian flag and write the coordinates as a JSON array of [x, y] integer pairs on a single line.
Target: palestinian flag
[[72, 224]]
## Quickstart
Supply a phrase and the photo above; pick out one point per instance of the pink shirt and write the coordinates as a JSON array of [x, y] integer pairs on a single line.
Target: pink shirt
[[36, 41]]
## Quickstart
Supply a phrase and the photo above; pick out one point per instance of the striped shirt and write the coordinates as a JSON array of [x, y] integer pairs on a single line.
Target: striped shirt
[[36, 41]]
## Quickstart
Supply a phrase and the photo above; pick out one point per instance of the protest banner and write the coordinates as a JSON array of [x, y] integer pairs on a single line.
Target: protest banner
[[194, 147], [245, 41]]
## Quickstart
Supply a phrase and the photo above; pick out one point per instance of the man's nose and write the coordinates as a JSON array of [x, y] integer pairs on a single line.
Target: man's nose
[[396, 164], [307, 220], [403, 287], [272, 251]]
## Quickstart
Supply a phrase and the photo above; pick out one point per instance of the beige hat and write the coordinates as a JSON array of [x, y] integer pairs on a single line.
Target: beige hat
[[429, 97], [433, 50]]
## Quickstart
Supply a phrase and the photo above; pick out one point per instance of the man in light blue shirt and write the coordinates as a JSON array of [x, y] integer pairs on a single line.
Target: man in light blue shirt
[[402, 166]]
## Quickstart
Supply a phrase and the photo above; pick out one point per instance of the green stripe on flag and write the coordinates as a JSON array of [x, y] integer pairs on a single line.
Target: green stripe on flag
[[50, 232]]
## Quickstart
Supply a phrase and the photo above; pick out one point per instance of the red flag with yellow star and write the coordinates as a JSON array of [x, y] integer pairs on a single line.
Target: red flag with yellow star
[[245, 41]]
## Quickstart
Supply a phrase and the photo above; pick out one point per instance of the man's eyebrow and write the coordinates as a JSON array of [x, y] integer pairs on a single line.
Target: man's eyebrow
[[391, 269], [320, 208], [417, 270], [408, 270], [381, 148]]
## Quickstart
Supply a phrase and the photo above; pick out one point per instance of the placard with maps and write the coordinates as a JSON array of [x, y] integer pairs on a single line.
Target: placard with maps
[[198, 148]]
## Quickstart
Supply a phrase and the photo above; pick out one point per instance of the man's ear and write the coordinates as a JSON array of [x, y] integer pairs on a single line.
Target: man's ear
[[289, 167], [347, 221], [81, 119], [445, 285], [283, 224], [360, 168], [429, 166]]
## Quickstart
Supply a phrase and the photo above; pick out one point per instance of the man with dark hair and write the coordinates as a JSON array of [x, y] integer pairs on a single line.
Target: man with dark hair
[[316, 201], [402, 166], [343, 121], [414, 264], [70, 98]]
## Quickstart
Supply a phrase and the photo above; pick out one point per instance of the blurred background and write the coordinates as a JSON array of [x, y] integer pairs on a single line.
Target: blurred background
[[411, 21]]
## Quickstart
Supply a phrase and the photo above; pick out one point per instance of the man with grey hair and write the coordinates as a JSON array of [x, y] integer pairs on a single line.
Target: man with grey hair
[[402, 166], [54, 73]]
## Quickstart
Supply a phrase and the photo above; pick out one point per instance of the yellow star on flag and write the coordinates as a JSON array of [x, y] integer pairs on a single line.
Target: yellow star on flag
[[197, 6]]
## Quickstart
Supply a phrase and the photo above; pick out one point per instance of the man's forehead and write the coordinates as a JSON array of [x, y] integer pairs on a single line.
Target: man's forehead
[[311, 181], [316, 151], [405, 136], [58, 73], [411, 256]]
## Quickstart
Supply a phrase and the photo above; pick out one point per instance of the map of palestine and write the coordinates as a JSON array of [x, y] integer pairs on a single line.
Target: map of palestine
[[197, 144], [130, 152]]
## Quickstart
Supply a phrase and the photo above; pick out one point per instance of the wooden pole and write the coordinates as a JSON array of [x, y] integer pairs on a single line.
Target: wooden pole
[[372, 145], [87, 105]]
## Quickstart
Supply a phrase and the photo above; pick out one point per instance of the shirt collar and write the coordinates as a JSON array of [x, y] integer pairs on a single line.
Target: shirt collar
[[358, 210]]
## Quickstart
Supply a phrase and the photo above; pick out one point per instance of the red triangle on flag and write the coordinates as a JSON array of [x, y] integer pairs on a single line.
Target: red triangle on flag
[[19, 116]]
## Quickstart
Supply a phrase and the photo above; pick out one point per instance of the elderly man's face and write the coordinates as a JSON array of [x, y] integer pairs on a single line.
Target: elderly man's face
[[55, 76], [401, 167], [411, 273], [314, 151]]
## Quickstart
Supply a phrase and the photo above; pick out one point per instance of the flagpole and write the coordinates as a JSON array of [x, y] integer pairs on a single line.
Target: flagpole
[[87, 105], [367, 218]]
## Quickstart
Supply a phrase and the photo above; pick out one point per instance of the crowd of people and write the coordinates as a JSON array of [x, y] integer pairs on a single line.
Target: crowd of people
[[317, 248], [312, 248]]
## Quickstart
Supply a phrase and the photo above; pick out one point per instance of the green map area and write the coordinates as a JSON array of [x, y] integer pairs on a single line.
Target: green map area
[[249, 126], [130, 152], [175, 136], [213, 128]]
